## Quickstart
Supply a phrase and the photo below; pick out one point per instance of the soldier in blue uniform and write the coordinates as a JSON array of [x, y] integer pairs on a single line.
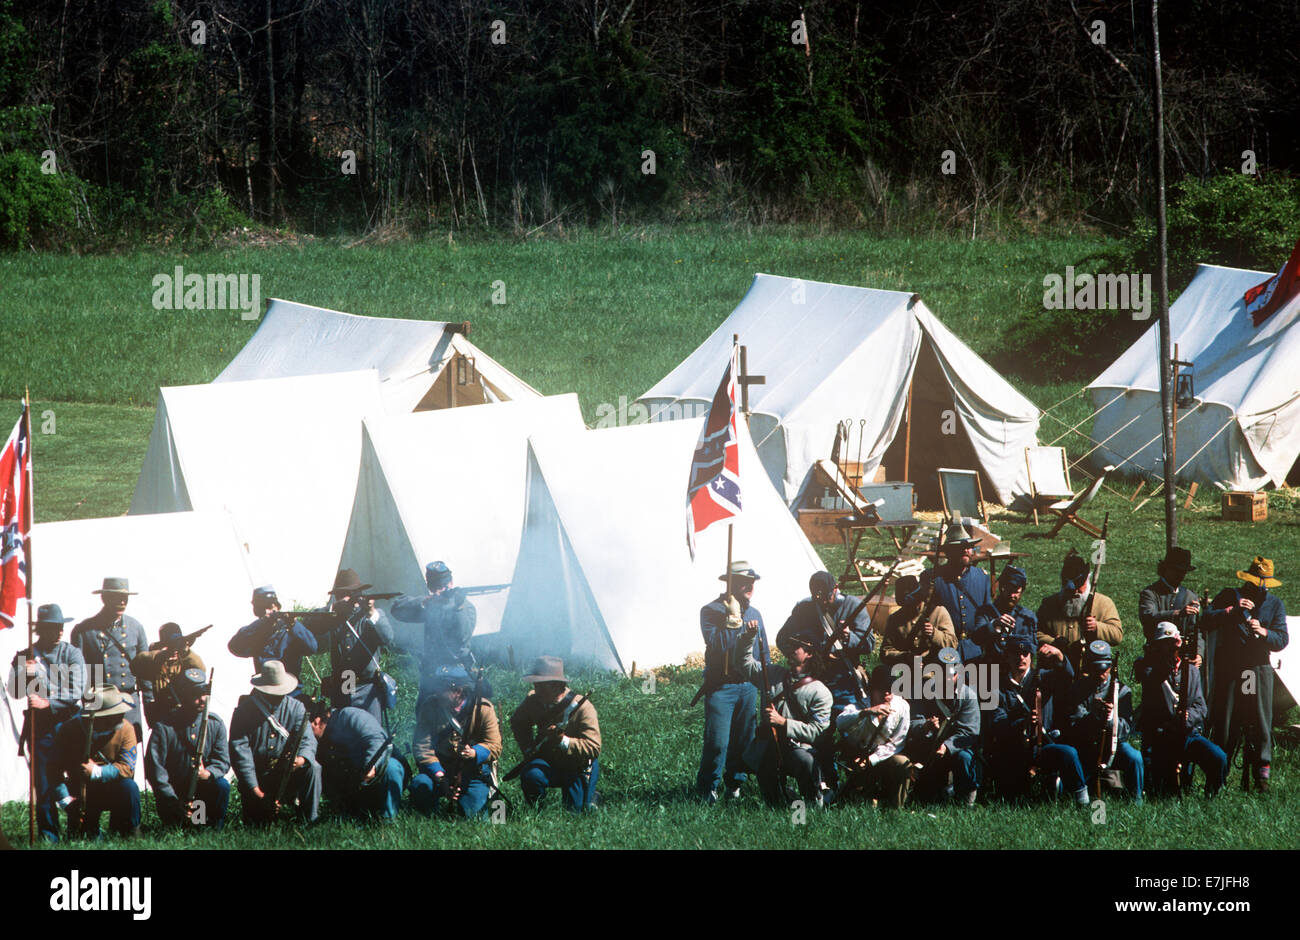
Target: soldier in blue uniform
[[1250, 623], [274, 635], [1171, 726], [169, 761], [109, 641], [449, 617], [997, 622], [841, 634], [944, 735], [356, 679], [1011, 745], [360, 774], [961, 588], [1089, 719], [730, 700], [263, 726], [51, 677]]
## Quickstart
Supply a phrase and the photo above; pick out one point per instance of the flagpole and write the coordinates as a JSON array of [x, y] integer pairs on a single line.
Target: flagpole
[[30, 499]]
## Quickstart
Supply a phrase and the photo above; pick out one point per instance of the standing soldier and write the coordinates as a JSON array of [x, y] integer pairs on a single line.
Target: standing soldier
[[909, 633], [1090, 721], [1021, 736], [274, 635], [562, 732], [449, 618], [1249, 624], [51, 678], [270, 736], [356, 758], [356, 679], [457, 744], [944, 735], [98, 753], [170, 760], [839, 627], [873, 739], [730, 701], [1167, 599], [1066, 623], [109, 641], [1171, 724], [962, 589], [798, 712], [996, 623], [159, 665]]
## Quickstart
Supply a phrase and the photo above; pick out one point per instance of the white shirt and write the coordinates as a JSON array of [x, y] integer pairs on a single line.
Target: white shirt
[[859, 726]]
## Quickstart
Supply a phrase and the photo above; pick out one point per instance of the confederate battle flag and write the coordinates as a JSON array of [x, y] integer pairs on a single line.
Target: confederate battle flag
[[1263, 300], [713, 494], [16, 517]]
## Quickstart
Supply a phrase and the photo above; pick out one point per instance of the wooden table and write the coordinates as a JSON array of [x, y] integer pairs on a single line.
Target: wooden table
[[853, 535]]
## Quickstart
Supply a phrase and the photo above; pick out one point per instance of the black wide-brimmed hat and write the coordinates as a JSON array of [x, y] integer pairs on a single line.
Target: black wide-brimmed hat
[[1179, 559], [347, 581]]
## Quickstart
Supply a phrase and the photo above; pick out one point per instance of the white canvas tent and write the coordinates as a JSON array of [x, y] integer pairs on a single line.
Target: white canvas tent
[[1244, 429], [831, 353], [188, 567], [448, 486], [604, 575], [421, 366], [280, 455]]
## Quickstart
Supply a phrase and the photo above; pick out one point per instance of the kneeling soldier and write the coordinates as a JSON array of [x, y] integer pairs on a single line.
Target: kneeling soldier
[[356, 758], [1091, 722], [565, 750], [191, 743], [457, 743], [1021, 736], [273, 750], [98, 753], [1173, 712], [872, 743], [945, 734], [798, 711]]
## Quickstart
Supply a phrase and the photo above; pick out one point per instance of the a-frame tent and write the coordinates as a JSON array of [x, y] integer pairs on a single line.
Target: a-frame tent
[[604, 575], [448, 486], [280, 455], [1242, 430], [914, 395], [422, 364], [187, 567]]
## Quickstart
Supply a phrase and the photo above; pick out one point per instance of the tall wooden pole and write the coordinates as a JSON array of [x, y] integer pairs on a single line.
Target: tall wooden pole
[[29, 512], [1162, 292]]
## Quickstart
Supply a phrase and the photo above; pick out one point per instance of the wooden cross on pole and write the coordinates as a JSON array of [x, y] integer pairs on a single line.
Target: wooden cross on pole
[[745, 380]]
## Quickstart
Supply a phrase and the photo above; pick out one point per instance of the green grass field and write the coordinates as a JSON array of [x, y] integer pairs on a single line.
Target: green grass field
[[606, 317]]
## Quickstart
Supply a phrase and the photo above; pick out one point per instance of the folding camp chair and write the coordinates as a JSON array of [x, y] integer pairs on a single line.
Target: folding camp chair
[[1049, 477], [961, 494], [1067, 510]]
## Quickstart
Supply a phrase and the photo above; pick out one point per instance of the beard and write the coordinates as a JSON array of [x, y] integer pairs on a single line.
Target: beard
[[1074, 605]]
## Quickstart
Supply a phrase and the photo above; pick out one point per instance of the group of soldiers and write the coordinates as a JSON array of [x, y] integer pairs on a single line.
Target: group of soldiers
[[956, 705], [286, 749]]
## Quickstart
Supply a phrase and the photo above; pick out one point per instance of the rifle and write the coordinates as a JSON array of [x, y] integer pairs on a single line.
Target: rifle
[[833, 638], [932, 599], [861, 766], [545, 739], [1036, 737], [1093, 577], [763, 705], [83, 780], [482, 589], [188, 639], [198, 754], [281, 769], [1109, 743], [933, 748], [457, 740], [380, 756]]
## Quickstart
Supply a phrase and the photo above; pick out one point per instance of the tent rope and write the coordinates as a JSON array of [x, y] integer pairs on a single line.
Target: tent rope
[[1208, 442], [1063, 401], [1090, 417]]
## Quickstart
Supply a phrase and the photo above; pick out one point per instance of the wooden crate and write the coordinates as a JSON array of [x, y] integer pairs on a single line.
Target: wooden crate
[[1245, 507], [819, 525]]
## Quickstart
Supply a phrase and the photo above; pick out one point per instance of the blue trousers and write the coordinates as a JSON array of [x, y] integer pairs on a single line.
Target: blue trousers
[[472, 802], [1011, 771], [1162, 762], [47, 781], [120, 798], [965, 773], [383, 796], [578, 787], [214, 793], [1129, 764], [730, 723]]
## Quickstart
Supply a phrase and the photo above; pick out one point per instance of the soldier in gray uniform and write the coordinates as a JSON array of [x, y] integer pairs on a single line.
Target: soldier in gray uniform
[[356, 679], [265, 723], [944, 737], [51, 677], [448, 617], [109, 641], [169, 761]]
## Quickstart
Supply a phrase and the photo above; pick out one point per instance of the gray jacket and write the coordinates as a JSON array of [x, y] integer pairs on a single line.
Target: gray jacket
[[349, 743], [111, 646], [254, 741], [448, 625], [168, 761], [806, 709], [60, 677]]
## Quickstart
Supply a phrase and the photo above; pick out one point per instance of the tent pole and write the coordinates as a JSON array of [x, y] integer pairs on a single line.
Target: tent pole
[[907, 438], [31, 639], [1162, 291]]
